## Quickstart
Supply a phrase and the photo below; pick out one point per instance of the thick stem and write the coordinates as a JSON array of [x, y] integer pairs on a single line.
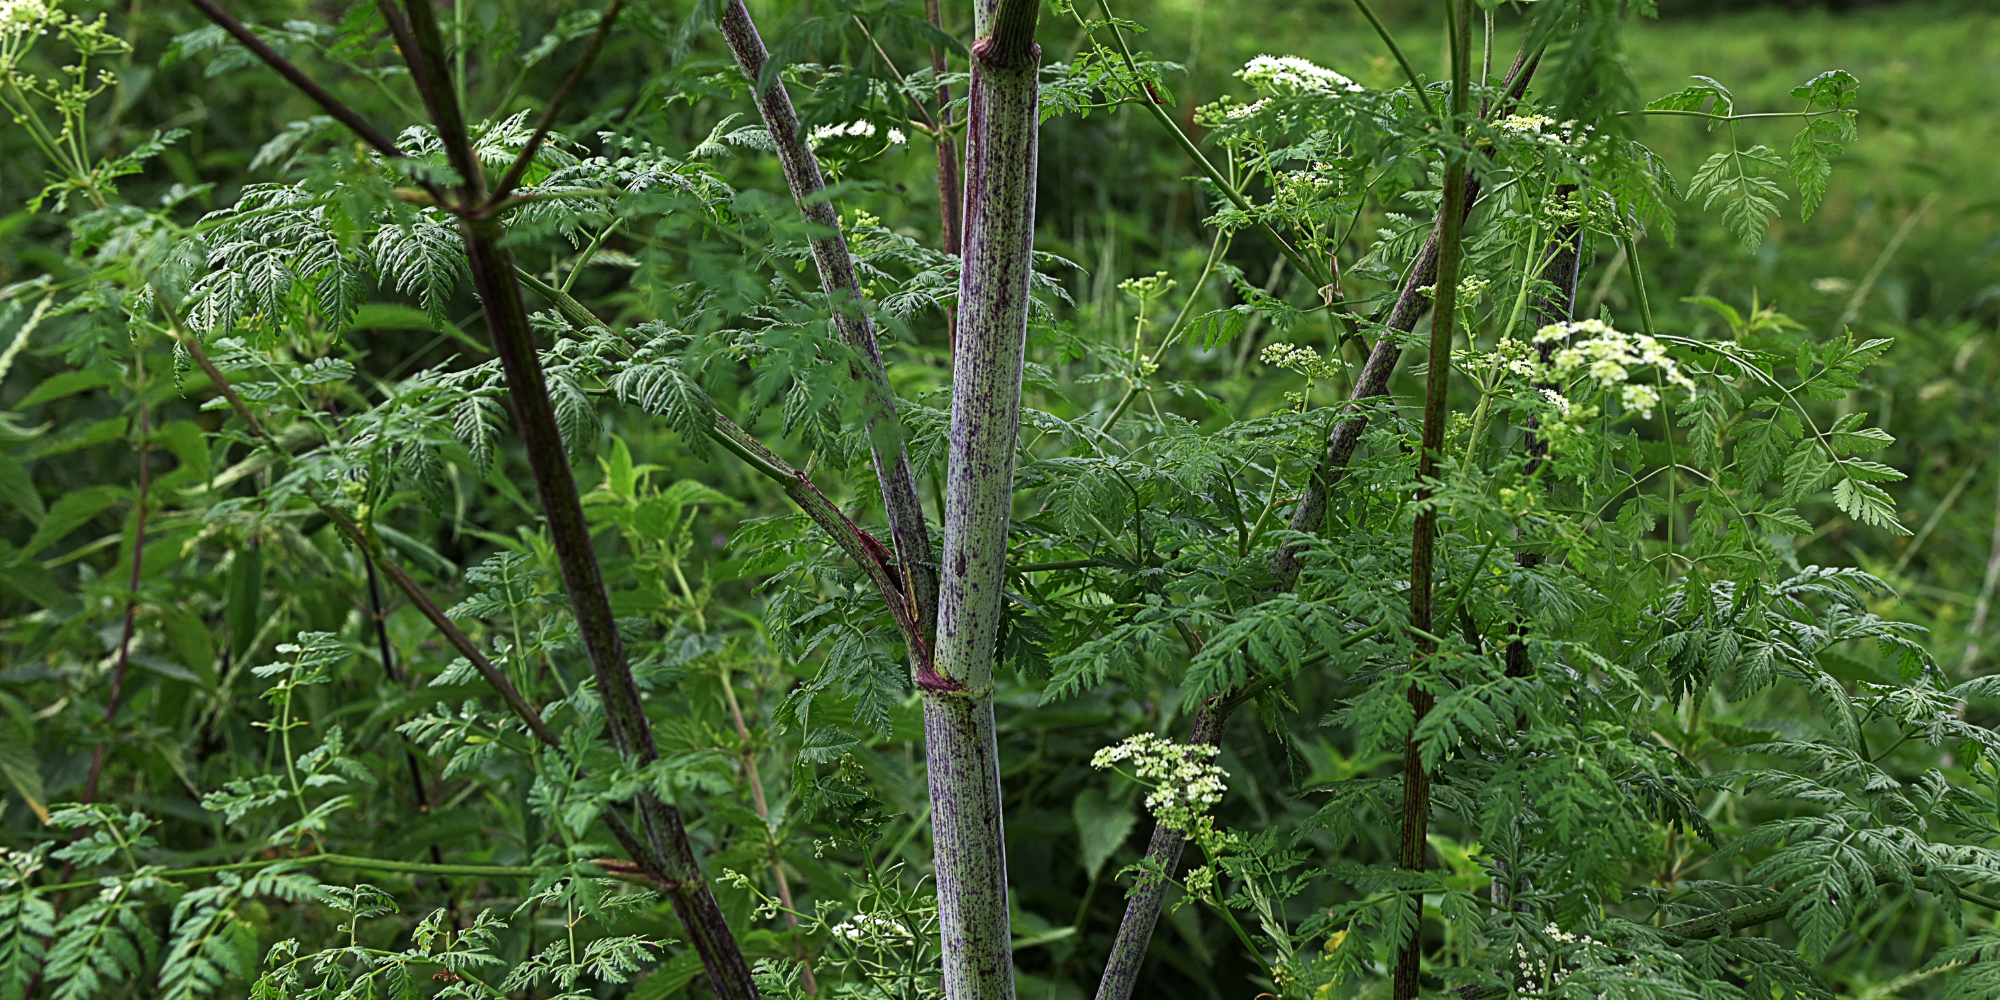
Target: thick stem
[[629, 729], [961, 748], [837, 277], [1142, 910], [1423, 535], [423, 52], [968, 845]]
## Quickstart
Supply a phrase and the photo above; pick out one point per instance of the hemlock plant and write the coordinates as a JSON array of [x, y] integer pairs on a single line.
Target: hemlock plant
[[1488, 630]]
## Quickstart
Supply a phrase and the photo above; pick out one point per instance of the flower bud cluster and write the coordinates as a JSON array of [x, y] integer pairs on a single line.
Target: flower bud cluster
[[1303, 360], [1186, 783]]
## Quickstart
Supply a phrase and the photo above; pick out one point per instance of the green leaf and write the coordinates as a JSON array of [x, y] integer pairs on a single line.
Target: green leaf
[[17, 487], [1784, 520], [65, 384], [670, 978], [1806, 471], [1871, 472], [1847, 442], [191, 640], [394, 316], [1740, 180], [619, 475], [1696, 97], [22, 769], [78, 437], [1835, 88], [245, 592], [28, 578], [71, 512], [1101, 828], [1868, 504], [187, 443]]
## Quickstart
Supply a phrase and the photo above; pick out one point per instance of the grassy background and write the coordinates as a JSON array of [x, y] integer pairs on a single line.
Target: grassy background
[[1929, 137]]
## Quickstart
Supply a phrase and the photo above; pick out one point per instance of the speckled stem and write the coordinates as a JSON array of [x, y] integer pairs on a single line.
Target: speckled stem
[[837, 277], [960, 745]]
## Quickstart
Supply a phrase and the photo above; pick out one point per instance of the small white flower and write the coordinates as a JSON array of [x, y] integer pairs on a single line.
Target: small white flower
[[897, 138], [859, 130], [1641, 398], [1525, 124], [1186, 785], [1246, 110]]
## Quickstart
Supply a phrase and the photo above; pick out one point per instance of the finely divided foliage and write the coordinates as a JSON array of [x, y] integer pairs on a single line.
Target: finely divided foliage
[[1545, 701]]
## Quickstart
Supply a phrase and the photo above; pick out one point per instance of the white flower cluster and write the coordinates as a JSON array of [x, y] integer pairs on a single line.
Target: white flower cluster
[[23, 17], [1607, 357], [870, 930], [1547, 131], [1291, 76], [858, 130], [1547, 973], [1525, 124], [1186, 782]]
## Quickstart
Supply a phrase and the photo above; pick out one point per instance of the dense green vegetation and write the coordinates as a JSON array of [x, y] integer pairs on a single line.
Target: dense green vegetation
[[1692, 697]]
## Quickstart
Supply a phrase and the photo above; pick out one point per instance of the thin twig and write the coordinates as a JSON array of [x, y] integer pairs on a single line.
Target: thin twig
[[514, 173], [131, 604], [1416, 82], [293, 75]]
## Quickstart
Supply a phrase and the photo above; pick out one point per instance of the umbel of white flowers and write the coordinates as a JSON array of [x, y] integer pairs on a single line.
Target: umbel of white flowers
[[1594, 350], [1186, 783]]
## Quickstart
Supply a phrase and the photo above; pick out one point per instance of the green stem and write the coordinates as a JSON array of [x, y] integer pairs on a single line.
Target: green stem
[[1437, 382], [1207, 168], [1416, 83]]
